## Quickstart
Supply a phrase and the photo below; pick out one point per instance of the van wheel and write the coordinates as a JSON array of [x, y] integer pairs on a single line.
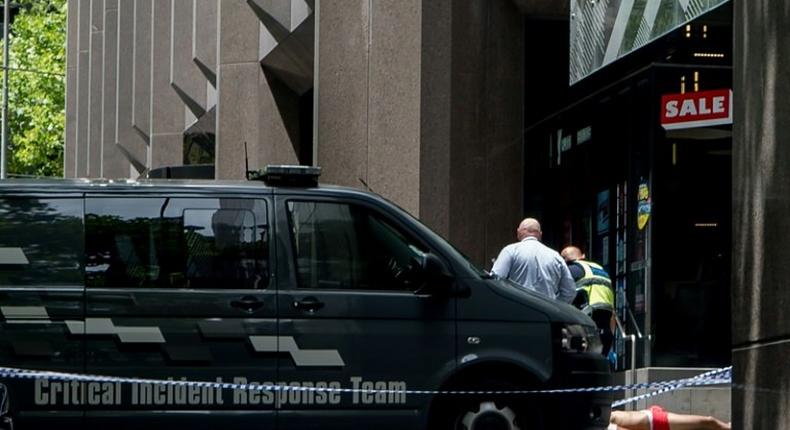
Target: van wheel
[[508, 412], [489, 416]]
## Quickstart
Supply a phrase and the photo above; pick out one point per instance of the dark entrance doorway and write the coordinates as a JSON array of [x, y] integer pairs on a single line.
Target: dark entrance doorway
[[692, 242]]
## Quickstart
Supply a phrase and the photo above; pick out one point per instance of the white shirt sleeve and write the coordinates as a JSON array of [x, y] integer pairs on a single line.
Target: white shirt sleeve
[[502, 264], [567, 287]]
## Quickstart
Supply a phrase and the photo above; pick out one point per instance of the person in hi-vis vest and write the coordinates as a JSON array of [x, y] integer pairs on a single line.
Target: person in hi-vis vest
[[594, 293]]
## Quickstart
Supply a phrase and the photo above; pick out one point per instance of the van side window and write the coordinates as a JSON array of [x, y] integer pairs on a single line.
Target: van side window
[[176, 243], [41, 241], [342, 246]]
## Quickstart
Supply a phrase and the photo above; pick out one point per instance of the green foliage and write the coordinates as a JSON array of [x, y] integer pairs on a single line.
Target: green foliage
[[36, 84]]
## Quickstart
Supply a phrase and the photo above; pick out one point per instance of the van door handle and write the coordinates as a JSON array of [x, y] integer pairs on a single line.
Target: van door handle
[[248, 303], [309, 304]]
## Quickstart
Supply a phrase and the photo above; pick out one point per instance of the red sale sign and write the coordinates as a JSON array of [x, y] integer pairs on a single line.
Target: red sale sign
[[700, 109]]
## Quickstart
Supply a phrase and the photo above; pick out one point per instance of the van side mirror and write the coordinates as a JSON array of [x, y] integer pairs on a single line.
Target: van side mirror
[[434, 267], [435, 274]]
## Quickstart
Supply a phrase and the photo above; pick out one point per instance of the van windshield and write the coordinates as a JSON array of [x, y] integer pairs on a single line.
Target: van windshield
[[439, 238]]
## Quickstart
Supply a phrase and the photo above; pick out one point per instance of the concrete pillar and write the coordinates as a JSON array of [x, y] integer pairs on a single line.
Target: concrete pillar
[[761, 204], [394, 101], [424, 102], [204, 39], [83, 89], [486, 126], [185, 78], [95, 89], [341, 91], [141, 80], [501, 131], [469, 145], [72, 59], [435, 126], [167, 110], [126, 138], [237, 89], [114, 164]]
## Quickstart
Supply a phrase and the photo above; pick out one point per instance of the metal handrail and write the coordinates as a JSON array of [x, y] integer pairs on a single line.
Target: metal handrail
[[633, 320], [630, 338]]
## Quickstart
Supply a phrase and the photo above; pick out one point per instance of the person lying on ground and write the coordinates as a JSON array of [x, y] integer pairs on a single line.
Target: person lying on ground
[[656, 418]]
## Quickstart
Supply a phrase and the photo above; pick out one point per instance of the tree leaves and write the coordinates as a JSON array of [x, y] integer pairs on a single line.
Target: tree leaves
[[36, 88]]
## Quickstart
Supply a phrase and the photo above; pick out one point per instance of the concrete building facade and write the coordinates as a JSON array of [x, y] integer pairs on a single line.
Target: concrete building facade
[[761, 203], [420, 101]]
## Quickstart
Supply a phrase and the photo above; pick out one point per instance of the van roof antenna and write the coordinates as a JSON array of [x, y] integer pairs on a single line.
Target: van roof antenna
[[246, 162], [365, 184]]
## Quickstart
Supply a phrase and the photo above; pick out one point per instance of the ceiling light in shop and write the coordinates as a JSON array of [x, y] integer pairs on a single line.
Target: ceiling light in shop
[[708, 55]]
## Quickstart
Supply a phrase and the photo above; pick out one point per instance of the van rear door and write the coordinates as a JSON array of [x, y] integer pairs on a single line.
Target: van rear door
[[179, 288], [41, 301]]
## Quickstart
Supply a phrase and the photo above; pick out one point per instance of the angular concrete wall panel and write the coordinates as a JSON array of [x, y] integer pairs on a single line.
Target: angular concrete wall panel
[[238, 32], [278, 10], [275, 142], [204, 38], [342, 102], [186, 79], [300, 10], [394, 102], [292, 60], [167, 149], [167, 110]]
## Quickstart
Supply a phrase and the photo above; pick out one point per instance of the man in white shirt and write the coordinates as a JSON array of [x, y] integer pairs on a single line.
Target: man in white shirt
[[534, 265]]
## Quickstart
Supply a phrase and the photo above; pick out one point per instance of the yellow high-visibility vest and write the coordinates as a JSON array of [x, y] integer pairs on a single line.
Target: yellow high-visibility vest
[[596, 285]]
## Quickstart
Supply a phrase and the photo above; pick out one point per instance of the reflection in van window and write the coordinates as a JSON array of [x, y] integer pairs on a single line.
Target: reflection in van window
[[40, 241], [340, 246], [176, 243]]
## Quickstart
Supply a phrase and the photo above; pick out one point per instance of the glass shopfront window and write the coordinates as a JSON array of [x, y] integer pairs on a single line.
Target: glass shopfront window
[[652, 206]]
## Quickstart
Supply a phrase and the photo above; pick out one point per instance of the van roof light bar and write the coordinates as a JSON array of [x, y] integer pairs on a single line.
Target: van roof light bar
[[289, 176]]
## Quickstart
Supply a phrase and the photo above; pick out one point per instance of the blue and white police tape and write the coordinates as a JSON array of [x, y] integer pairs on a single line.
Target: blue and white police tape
[[724, 375], [715, 377]]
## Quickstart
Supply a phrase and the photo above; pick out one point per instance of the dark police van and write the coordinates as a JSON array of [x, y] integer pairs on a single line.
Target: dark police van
[[283, 282]]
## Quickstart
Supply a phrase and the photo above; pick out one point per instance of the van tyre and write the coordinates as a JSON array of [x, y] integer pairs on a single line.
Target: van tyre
[[490, 416], [508, 412]]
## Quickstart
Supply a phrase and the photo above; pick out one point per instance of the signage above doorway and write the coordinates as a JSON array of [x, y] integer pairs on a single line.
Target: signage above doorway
[[698, 109]]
